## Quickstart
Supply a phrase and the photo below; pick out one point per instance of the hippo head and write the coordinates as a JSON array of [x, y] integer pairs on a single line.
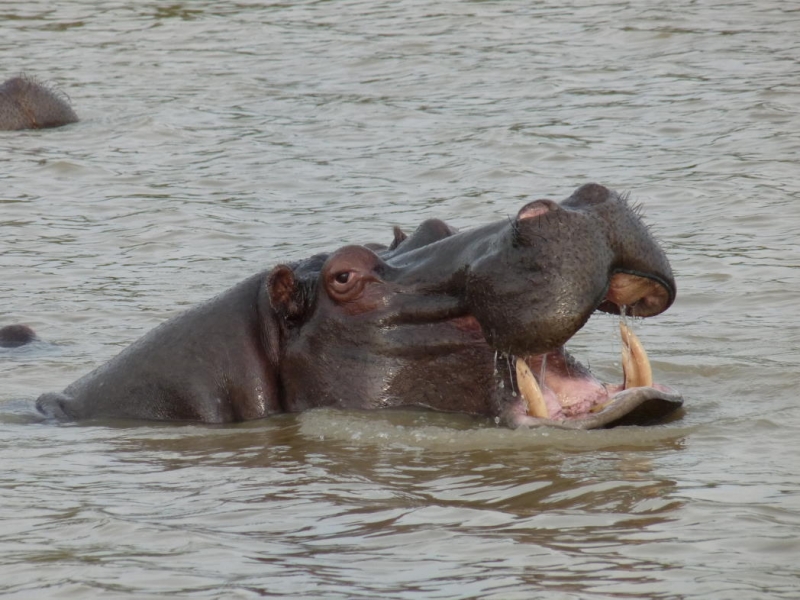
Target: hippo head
[[476, 321]]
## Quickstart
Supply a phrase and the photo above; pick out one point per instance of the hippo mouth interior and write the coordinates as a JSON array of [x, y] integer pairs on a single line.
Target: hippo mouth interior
[[554, 389], [557, 390]]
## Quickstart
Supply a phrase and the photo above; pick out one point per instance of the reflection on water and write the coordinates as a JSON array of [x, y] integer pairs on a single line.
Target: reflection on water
[[217, 139], [293, 496]]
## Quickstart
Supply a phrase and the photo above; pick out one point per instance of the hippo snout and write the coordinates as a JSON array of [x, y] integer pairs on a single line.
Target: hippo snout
[[556, 264]]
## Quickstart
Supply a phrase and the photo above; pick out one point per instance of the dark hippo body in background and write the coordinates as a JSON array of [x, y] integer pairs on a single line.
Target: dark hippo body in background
[[440, 319], [28, 104], [14, 336]]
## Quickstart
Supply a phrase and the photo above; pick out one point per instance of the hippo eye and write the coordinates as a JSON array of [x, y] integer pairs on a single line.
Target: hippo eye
[[348, 271], [345, 285]]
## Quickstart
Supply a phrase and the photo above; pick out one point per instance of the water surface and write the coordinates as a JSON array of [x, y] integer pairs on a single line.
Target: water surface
[[218, 139]]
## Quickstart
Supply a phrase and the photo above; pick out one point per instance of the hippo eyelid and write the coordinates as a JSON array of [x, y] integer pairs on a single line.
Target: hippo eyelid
[[346, 285]]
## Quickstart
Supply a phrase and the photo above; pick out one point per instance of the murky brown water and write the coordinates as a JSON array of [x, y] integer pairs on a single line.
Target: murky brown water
[[220, 138]]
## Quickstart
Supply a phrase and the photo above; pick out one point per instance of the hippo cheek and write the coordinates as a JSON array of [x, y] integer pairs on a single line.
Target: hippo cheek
[[532, 327], [534, 310]]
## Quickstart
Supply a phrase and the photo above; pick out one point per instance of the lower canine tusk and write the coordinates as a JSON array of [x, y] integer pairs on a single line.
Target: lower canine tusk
[[635, 364], [531, 392]]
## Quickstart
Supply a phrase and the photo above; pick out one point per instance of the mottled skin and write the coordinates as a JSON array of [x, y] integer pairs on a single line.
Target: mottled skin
[[426, 322], [27, 104], [14, 336]]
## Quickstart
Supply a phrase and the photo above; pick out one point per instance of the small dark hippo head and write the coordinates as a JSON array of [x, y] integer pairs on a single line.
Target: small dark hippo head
[[476, 321], [28, 104], [14, 336]]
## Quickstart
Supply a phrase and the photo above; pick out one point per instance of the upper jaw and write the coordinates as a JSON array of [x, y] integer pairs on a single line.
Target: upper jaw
[[638, 295], [557, 391]]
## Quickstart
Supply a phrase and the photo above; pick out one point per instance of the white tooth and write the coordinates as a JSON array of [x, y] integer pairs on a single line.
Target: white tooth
[[530, 391], [635, 364]]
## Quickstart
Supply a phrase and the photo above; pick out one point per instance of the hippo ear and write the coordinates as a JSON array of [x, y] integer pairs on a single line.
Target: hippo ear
[[399, 237], [282, 288]]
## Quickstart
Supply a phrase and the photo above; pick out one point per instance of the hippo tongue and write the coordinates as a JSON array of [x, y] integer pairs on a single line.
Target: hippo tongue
[[574, 397]]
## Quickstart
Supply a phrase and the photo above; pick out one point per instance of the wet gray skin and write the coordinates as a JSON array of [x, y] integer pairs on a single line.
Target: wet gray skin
[[28, 104], [434, 320]]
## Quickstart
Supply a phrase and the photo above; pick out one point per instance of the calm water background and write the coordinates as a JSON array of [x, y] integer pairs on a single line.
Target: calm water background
[[220, 138]]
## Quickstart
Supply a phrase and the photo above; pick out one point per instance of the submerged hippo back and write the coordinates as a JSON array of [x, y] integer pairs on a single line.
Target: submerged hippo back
[[27, 104]]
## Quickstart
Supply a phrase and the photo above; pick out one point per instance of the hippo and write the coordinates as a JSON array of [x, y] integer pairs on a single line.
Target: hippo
[[14, 336], [27, 104], [471, 321]]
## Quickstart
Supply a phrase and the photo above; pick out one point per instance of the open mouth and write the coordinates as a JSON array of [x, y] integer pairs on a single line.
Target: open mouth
[[558, 391]]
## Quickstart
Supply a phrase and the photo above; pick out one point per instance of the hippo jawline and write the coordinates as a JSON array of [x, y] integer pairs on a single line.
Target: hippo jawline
[[557, 391]]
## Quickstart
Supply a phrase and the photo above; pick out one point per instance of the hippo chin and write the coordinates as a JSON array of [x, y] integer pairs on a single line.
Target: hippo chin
[[471, 322], [27, 104]]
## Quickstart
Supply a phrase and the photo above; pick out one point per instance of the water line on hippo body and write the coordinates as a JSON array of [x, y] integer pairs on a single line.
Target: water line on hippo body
[[500, 379], [633, 362], [623, 319], [496, 373], [543, 369], [509, 360], [626, 319], [565, 356], [636, 368]]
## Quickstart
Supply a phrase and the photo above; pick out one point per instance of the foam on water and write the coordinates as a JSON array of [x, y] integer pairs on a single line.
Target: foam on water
[[450, 433]]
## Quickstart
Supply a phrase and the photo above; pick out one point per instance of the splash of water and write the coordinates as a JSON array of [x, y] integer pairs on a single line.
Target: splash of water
[[511, 377], [543, 370]]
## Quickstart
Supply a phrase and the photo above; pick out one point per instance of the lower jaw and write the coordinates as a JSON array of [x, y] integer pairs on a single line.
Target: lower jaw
[[634, 406], [577, 400]]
